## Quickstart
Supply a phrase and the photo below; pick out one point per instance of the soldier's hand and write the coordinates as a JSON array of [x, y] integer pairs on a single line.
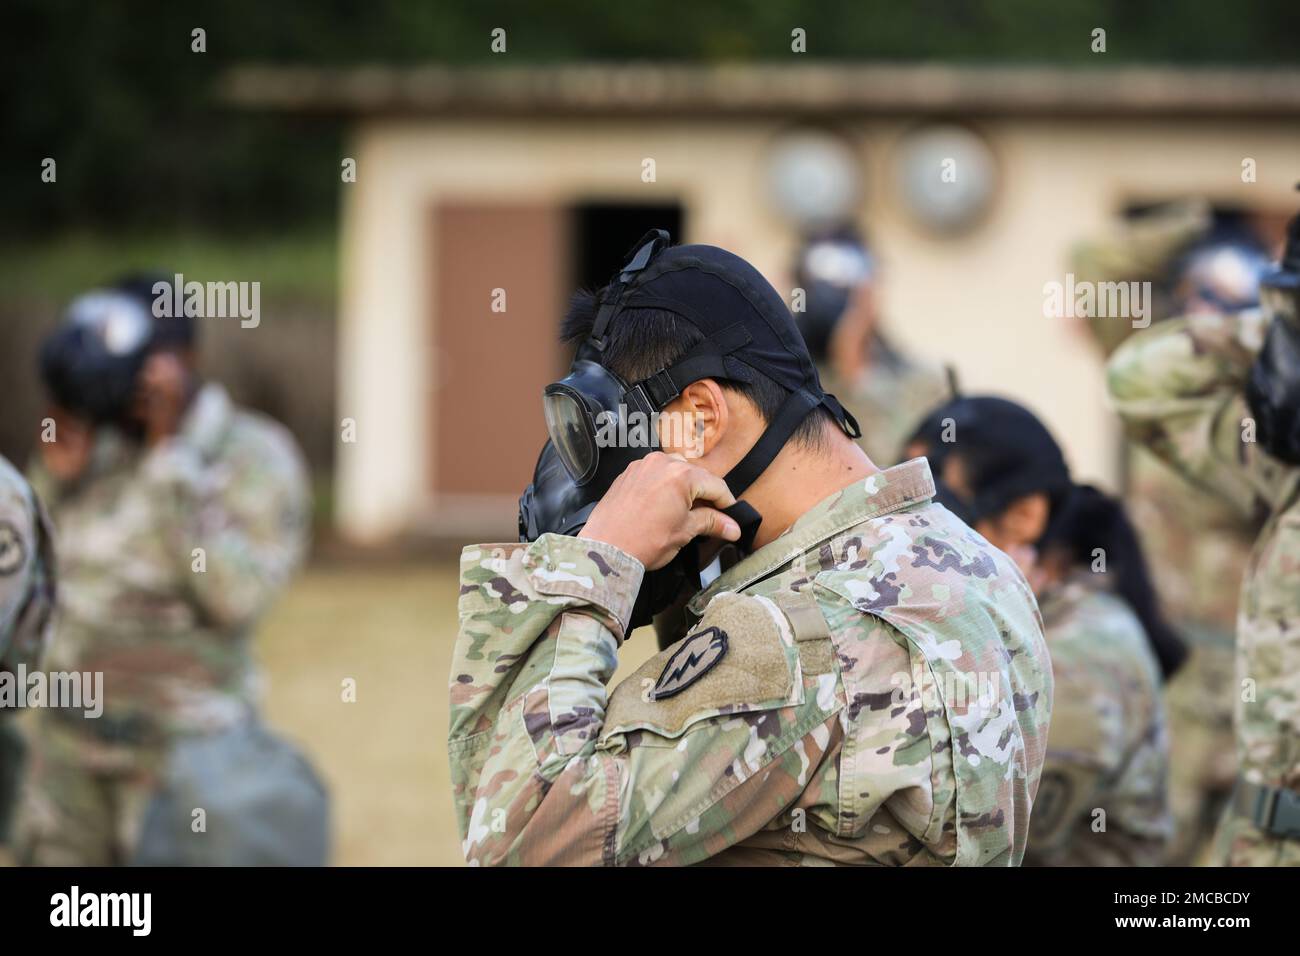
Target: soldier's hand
[[67, 456], [658, 505]]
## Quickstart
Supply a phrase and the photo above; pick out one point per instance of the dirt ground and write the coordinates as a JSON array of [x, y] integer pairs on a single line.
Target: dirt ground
[[391, 628]]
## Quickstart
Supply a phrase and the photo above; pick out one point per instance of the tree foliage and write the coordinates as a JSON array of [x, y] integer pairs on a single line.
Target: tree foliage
[[114, 93]]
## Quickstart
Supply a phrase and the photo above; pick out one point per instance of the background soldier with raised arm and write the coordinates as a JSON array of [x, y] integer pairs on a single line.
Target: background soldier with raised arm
[[1199, 544], [1182, 388], [886, 388]]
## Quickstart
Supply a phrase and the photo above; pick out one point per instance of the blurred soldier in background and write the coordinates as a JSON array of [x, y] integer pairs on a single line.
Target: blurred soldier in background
[[27, 573], [1218, 396], [886, 390], [180, 518], [1198, 544], [1102, 800]]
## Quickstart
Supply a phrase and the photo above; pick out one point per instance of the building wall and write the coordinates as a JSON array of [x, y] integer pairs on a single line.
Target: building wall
[[975, 301]]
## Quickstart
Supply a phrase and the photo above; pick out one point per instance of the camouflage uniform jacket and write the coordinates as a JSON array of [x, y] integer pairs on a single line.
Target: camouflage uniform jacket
[[882, 696], [1179, 387], [1199, 541], [1108, 749], [26, 573], [168, 556], [26, 600]]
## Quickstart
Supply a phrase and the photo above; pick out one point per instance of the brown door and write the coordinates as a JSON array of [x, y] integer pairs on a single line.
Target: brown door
[[491, 366]]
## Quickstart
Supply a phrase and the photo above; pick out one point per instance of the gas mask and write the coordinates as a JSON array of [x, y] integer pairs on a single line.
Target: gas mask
[[1273, 390], [598, 423]]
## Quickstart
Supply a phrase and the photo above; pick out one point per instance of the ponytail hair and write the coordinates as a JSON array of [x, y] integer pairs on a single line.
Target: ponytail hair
[[1091, 519]]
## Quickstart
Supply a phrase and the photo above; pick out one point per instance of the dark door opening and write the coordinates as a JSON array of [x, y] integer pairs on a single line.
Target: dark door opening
[[603, 235]]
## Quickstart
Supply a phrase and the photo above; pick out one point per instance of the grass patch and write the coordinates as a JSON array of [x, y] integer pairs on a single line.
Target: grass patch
[[292, 266]]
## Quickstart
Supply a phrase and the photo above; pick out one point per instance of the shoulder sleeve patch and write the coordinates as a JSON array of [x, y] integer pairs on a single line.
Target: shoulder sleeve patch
[[13, 552], [692, 659], [1066, 794], [740, 657]]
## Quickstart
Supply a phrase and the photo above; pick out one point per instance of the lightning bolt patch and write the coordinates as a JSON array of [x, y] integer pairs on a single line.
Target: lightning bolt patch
[[696, 656]]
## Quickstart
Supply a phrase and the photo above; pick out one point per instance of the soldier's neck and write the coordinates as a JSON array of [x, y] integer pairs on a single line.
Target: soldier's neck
[[800, 477]]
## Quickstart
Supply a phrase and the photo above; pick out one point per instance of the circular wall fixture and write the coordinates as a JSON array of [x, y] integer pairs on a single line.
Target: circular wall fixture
[[947, 177], [814, 178]]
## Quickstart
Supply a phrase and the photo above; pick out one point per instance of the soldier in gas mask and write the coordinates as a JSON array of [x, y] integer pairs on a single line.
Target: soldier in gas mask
[[863, 681], [1218, 397], [1199, 544]]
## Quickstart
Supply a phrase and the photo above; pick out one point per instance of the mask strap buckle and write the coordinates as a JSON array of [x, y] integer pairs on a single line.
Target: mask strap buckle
[[706, 360], [644, 396], [646, 249]]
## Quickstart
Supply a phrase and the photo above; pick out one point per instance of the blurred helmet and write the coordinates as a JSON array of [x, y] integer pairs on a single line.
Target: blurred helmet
[[829, 267], [90, 362], [1219, 275], [174, 328]]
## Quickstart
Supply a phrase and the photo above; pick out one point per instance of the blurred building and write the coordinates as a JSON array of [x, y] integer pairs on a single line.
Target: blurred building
[[972, 183]]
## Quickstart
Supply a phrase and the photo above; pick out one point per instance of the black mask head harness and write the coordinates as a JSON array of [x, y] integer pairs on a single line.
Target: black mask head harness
[[1273, 389], [599, 423]]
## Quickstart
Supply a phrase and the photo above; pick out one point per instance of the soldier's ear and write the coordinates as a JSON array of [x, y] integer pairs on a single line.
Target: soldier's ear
[[694, 422]]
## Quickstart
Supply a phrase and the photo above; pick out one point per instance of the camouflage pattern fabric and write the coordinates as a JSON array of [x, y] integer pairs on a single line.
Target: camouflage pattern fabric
[[27, 573], [888, 399], [1178, 387], [168, 557], [883, 698], [1202, 749], [26, 603], [1198, 546], [1102, 800], [86, 797]]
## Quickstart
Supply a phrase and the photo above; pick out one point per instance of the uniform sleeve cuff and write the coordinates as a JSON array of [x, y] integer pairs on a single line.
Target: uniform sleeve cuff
[[592, 571]]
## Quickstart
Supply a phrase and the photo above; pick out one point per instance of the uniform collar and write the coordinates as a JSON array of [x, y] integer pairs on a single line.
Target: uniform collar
[[873, 496], [1074, 587]]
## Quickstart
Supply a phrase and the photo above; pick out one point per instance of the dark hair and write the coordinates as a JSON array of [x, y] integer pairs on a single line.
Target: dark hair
[[1005, 451], [641, 341], [1091, 519]]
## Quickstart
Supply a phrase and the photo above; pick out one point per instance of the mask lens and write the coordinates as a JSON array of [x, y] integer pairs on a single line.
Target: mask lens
[[572, 432]]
